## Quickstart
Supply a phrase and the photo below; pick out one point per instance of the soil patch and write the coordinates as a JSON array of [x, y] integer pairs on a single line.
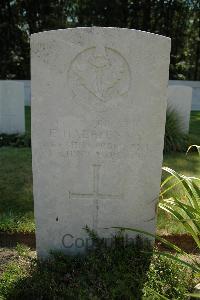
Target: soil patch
[[183, 241]]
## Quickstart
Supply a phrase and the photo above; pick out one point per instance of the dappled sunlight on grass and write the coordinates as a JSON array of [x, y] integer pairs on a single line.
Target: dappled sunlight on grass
[[186, 164]]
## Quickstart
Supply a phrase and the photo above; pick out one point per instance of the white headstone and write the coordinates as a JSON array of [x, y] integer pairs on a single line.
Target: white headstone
[[98, 121], [12, 119], [180, 99]]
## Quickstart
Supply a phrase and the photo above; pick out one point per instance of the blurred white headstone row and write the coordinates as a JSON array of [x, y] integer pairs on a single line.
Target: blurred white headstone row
[[183, 96], [195, 85], [12, 118], [179, 99]]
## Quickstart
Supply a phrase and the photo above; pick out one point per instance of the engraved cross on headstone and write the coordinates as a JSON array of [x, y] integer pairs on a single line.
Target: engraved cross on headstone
[[95, 195]]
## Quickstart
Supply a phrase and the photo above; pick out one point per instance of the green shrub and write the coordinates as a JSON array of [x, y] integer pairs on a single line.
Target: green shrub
[[15, 140], [175, 139]]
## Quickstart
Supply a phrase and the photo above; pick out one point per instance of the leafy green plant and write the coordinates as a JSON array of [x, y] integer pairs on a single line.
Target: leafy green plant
[[186, 210], [175, 138], [192, 147]]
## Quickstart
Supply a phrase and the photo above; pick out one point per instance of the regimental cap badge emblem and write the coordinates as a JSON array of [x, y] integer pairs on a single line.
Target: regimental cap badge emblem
[[99, 75]]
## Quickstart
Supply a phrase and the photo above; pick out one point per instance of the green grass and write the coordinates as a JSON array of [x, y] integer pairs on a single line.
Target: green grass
[[16, 199], [116, 272], [188, 165]]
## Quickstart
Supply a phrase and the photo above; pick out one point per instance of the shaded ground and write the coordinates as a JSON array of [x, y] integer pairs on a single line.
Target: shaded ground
[[183, 241], [12, 239], [119, 272], [7, 255]]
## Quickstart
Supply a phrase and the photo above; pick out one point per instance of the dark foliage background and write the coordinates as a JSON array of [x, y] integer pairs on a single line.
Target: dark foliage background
[[178, 19]]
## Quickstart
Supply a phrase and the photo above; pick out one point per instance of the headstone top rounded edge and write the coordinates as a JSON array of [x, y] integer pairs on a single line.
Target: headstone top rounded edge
[[94, 29]]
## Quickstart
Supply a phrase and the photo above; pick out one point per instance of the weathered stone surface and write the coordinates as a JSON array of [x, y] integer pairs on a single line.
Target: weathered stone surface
[[12, 118], [180, 99], [98, 118]]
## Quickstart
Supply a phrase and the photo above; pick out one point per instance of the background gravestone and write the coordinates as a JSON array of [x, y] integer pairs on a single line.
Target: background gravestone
[[12, 119], [180, 100], [98, 121]]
